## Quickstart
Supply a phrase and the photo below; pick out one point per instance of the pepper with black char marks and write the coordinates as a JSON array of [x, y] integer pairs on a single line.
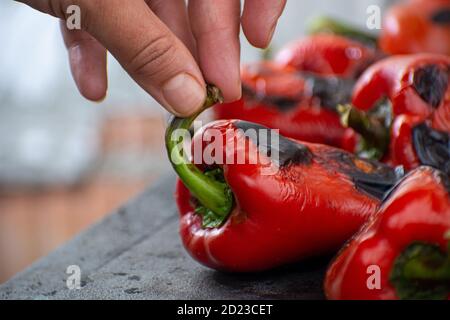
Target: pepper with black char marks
[[400, 105], [298, 92], [302, 105], [285, 201], [328, 55], [403, 252]]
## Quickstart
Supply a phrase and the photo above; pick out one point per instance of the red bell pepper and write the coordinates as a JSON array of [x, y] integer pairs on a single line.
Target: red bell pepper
[[299, 92], [415, 84], [327, 55], [294, 200], [300, 105], [413, 90], [417, 26], [403, 252]]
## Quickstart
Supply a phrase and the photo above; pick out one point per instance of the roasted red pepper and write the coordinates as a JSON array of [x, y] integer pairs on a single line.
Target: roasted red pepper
[[415, 85], [299, 92], [286, 201], [417, 26], [414, 92], [327, 55], [403, 252], [301, 105]]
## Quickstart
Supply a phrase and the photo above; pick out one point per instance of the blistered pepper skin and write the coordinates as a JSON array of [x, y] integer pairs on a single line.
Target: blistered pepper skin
[[417, 210], [418, 89], [316, 198]]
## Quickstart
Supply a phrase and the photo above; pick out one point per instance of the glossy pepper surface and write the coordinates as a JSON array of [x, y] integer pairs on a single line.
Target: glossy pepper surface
[[284, 201], [416, 91], [403, 251], [319, 197], [415, 85], [417, 26]]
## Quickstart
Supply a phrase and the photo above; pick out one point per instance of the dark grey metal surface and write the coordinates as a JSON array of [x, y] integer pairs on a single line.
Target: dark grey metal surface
[[136, 253]]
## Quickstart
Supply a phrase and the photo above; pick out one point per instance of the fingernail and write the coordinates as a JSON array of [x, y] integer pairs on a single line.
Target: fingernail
[[184, 94], [75, 58]]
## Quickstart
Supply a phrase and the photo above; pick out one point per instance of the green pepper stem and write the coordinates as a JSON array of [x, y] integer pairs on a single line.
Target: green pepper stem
[[419, 270], [328, 24], [212, 194], [373, 129], [427, 263]]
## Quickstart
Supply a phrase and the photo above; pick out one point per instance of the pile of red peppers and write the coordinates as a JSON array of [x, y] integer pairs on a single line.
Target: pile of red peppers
[[360, 126]]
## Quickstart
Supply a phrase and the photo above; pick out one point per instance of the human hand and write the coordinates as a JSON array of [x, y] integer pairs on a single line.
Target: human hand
[[165, 45]]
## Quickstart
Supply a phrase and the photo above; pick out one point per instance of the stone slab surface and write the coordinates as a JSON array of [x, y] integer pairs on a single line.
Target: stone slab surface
[[136, 253]]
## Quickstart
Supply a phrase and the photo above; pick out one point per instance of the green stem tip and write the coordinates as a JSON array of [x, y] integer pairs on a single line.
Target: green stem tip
[[213, 194], [374, 129]]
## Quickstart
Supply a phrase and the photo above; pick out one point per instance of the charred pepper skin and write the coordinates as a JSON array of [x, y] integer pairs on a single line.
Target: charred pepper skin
[[415, 84], [414, 218], [300, 105], [418, 89], [298, 93], [316, 198], [417, 26]]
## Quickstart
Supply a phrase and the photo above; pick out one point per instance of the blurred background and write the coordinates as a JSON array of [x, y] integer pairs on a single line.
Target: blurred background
[[65, 162]]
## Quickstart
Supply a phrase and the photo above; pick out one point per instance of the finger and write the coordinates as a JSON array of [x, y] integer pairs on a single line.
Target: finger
[[259, 20], [215, 25], [154, 57], [87, 58], [174, 14]]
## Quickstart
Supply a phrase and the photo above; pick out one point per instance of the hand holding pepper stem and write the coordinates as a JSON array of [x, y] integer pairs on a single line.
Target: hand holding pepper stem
[[214, 195]]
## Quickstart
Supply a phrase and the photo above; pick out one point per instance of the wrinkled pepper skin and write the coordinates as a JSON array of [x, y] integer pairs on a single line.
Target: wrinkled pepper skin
[[417, 26], [301, 106], [416, 211], [318, 198], [327, 55], [418, 88]]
